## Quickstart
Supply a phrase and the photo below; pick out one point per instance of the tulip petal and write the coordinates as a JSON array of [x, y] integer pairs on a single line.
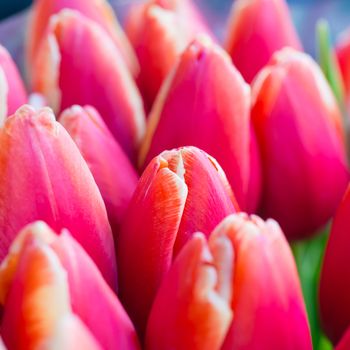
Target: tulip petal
[[86, 68], [43, 176], [112, 170], [192, 307]]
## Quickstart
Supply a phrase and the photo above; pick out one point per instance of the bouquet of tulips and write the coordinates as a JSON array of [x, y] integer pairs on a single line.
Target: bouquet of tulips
[[158, 187]]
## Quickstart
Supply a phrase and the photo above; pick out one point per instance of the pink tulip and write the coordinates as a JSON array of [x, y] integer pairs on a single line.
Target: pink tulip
[[299, 131], [257, 29], [335, 275], [206, 103], [44, 177], [160, 30], [180, 192], [12, 91], [38, 254], [97, 10], [113, 173], [246, 270], [77, 63]]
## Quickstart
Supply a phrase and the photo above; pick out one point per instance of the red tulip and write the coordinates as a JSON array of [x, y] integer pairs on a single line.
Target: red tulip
[[78, 64], [160, 30], [344, 344], [206, 103], [192, 308], [247, 266], [335, 275], [298, 126], [45, 271], [343, 55], [180, 192], [257, 29], [44, 177], [113, 173], [97, 10], [12, 91]]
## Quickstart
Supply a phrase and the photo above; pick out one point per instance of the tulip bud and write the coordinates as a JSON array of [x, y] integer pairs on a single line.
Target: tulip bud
[[344, 344], [97, 10], [180, 192], [77, 282], [43, 176], [12, 91], [335, 275], [298, 126], [206, 103], [77, 63], [246, 270], [112, 170], [192, 309], [160, 30], [258, 28]]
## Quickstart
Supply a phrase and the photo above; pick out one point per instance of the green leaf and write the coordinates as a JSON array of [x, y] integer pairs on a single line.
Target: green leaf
[[308, 256], [328, 62]]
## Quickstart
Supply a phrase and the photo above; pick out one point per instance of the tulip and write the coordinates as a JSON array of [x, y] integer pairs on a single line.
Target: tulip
[[112, 170], [246, 269], [71, 279], [298, 127], [78, 63], [335, 276], [180, 192], [343, 55], [97, 10], [206, 103], [257, 29], [12, 91], [44, 177], [344, 344], [160, 30]]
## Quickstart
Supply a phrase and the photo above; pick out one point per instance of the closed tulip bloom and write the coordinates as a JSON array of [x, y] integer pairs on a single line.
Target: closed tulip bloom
[[258, 28], [299, 131], [80, 283], [77, 63], [160, 30], [335, 276], [180, 192], [112, 170], [97, 10], [343, 55], [12, 91], [206, 103], [43, 176], [192, 309], [246, 270]]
